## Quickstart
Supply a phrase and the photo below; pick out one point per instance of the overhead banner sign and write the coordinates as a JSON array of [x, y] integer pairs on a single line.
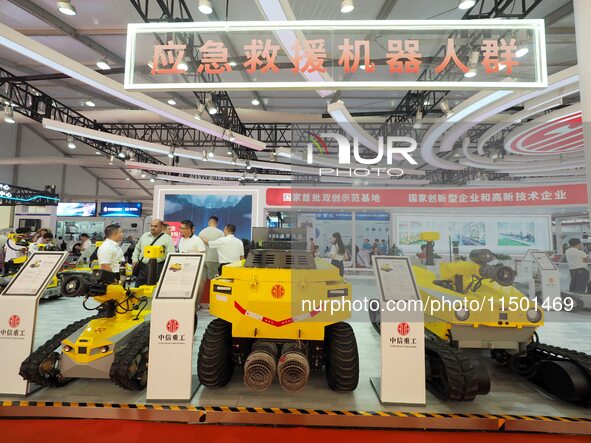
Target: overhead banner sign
[[337, 55], [543, 195]]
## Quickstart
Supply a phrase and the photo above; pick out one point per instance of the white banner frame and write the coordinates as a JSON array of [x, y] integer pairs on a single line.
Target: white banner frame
[[537, 26]]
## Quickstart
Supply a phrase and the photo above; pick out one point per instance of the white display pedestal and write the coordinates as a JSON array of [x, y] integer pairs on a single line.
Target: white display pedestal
[[402, 368], [172, 327], [537, 263], [18, 315]]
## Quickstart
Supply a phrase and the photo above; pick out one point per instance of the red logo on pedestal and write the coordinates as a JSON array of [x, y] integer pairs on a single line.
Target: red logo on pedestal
[[14, 321], [403, 328], [278, 291], [172, 325]]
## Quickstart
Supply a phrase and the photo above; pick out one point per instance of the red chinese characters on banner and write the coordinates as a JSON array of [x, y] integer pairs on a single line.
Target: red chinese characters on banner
[[261, 55], [310, 58], [168, 55], [494, 56], [214, 58], [404, 56], [451, 55], [571, 194], [347, 55]]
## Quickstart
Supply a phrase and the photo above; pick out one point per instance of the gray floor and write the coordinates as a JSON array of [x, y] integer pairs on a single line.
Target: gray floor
[[509, 395]]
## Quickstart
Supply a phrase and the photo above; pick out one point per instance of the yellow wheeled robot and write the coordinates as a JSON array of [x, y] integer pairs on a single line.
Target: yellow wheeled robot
[[271, 318]]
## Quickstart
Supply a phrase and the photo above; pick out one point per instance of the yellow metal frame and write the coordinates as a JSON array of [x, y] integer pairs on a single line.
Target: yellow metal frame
[[280, 303]]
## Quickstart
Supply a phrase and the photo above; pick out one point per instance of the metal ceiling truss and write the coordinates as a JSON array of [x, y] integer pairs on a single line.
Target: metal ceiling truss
[[509, 9], [427, 101], [35, 104], [178, 11]]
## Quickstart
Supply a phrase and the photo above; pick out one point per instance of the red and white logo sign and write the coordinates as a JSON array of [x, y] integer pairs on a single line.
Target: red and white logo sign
[[13, 321], [172, 325], [278, 291], [403, 328], [559, 135], [553, 195]]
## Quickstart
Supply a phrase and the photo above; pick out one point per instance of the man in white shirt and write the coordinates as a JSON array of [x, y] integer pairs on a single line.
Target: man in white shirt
[[230, 249], [155, 237], [85, 242], [12, 250], [189, 243], [109, 254], [211, 233], [577, 264]]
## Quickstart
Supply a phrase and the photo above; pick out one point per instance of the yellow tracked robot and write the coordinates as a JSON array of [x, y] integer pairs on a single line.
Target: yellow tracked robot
[[112, 344], [270, 322], [473, 305]]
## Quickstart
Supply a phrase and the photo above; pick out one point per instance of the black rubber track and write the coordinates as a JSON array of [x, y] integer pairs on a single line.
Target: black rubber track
[[29, 369], [214, 364], [130, 366], [342, 358], [451, 374]]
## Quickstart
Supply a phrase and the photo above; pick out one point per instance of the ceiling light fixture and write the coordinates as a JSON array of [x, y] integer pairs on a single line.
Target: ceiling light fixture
[[466, 4], [211, 153], [152, 180], [243, 177], [211, 107], [103, 64], [111, 160], [233, 63], [199, 112], [522, 51], [127, 178], [8, 114], [255, 177], [418, 124], [98, 152], [171, 101], [248, 166], [473, 65], [71, 142], [204, 156], [347, 6], [90, 103], [122, 154], [66, 8], [143, 175], [171, 153], [182, 66], [444, 105], [255, 102], [205, 7]]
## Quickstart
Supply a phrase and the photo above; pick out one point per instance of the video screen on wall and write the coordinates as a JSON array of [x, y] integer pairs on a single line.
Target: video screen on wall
[[78, 209], [120, 209], [234, 209]]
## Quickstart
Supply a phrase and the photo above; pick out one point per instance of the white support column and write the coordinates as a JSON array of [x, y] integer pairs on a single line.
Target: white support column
[[583, 34]]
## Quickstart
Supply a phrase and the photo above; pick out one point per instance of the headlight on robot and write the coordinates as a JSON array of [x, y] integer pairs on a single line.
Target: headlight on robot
[[462, 314], [67, 348], [533, 315]]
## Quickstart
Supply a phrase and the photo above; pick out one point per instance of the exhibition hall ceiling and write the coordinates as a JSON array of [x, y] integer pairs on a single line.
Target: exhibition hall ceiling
[[104, 23]]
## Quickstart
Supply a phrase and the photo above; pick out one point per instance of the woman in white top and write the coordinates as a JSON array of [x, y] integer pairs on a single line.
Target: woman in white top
[[337, 252]]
